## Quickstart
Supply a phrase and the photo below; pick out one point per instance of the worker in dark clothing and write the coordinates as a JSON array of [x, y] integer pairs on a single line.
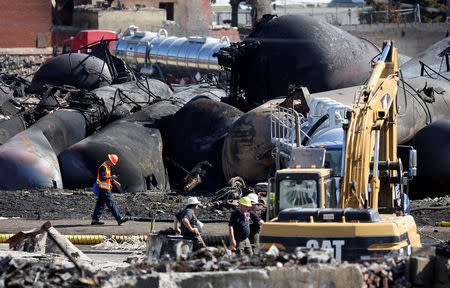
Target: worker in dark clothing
[[239, 228], [256, 222], [104, 179], [190, 226]]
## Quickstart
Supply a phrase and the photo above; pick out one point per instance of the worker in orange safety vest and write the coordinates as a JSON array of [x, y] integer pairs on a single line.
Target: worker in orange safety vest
[[104, 181]]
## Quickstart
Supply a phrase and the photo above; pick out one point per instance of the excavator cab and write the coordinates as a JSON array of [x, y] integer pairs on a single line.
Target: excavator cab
[[304, 188], [301, 188]]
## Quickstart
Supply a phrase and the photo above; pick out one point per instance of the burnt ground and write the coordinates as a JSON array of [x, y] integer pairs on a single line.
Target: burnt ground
[[79, 204], [52, 204]]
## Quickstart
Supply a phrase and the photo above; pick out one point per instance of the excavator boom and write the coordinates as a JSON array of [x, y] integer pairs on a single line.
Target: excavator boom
[[371, 133]]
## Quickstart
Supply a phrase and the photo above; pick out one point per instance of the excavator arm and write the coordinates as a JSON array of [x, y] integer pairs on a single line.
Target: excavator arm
[[371, 134]]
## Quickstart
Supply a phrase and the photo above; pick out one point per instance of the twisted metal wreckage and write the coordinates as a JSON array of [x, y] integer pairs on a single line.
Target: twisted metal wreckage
[[56, 130]]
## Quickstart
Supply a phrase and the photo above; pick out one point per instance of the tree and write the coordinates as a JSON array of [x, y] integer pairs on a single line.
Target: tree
[[234, 12]]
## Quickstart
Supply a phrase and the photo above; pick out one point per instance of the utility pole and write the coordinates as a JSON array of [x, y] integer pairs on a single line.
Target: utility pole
[[234, 12], [418, 14], [336, 20]]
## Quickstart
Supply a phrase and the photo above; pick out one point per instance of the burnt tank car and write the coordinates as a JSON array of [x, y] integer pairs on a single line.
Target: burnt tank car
[[298, 50]]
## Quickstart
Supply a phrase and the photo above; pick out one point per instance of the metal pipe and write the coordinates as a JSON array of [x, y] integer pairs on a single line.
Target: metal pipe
[[386, 50], [377, 154]]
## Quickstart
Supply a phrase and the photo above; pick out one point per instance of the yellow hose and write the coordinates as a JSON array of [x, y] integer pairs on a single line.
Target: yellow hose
[[121, 238], [210, 240], [443, 224], [86, 239], [4, 237]]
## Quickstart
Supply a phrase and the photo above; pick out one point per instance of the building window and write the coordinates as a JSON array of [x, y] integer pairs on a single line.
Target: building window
[[169, 9]]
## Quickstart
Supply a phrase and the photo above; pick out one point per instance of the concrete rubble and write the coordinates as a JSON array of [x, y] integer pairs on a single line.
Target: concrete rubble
[[215, 266], [210, 267]]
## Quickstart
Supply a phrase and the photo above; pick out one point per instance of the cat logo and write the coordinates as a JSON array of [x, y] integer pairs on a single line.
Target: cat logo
[[328, 244]]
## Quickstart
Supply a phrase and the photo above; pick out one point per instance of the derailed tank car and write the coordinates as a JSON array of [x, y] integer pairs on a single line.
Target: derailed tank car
[[138, 141], [295, 49], [78, 70], [247, 147], [29, 159], [195, 134]]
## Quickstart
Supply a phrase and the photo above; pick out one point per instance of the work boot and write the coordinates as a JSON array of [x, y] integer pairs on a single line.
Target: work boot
[[96, 222], [122, 220]]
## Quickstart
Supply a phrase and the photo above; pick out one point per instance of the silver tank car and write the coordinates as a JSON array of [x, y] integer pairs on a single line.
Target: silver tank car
[[171, 56]]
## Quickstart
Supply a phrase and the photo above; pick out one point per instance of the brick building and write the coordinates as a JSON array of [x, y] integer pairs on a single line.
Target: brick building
[[25, 23]]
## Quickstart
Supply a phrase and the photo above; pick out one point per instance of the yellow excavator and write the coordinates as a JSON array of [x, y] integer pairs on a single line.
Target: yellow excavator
[[370, 221]]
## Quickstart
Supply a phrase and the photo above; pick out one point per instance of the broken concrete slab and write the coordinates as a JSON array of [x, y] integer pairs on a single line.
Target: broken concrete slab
[[348, 275], [45, 239]]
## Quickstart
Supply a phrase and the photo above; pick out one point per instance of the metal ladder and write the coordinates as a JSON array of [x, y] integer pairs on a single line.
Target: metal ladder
[[284, 131]]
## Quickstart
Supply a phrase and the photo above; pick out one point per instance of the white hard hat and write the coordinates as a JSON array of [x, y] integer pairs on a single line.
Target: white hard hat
[[192, 200], [253, 198]]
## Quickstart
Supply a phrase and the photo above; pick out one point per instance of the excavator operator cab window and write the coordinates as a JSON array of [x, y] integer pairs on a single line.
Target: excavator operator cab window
[[333, 160], [298, 193]]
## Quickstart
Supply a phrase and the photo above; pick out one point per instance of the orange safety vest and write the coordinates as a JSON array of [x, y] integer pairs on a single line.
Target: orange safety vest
[[107, 183]]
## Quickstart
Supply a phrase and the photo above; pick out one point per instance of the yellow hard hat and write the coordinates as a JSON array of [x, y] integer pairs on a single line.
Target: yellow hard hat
[[245, 201]]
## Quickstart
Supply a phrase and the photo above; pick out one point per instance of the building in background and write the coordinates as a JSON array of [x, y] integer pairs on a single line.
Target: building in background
[[45, 23], [26, 23]]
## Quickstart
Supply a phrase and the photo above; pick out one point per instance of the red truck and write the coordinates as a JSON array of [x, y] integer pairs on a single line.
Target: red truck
[[84, 38]]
